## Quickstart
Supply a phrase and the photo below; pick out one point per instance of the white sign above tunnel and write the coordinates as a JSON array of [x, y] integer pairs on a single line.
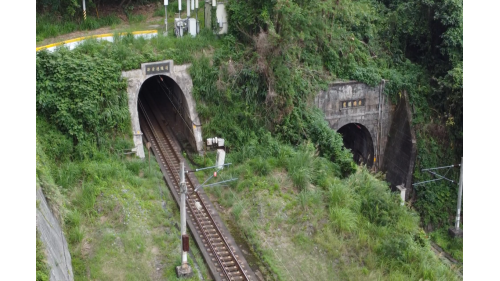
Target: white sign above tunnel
[[159, 67]]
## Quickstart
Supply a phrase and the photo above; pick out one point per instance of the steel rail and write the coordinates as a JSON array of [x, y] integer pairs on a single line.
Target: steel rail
[[196, 214], [191, 185]]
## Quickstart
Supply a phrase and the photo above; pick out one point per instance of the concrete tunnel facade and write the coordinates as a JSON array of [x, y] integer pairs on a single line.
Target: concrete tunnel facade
[[379, 133], [350, 104], [177, 84]]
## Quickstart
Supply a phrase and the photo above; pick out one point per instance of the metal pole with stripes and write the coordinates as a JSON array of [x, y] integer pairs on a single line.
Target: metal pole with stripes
[[84, 11]]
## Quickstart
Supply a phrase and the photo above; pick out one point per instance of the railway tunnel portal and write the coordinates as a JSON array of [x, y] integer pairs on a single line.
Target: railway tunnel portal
[[358, 139], [378, 133], [164, 94], [168, 87]]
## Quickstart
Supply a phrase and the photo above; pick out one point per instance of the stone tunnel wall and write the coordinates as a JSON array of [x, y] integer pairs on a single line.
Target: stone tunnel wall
[[374, 117]]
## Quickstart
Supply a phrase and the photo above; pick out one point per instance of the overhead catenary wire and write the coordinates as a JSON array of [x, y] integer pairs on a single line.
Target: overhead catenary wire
[[178, 101], [163, 197], [165, 146], [253, 224], [440, 177], [163, 87]]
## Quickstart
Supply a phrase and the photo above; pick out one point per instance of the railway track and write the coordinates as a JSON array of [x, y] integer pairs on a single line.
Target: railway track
[[219, 250]]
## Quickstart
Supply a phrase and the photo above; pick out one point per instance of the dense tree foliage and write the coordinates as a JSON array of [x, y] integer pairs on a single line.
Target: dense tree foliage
[[415, 46]]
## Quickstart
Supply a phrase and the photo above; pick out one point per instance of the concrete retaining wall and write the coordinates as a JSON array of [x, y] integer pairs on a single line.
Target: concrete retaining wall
[[52, 237]]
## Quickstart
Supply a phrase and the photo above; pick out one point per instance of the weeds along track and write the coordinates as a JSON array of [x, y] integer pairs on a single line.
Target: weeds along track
[[219, 250]]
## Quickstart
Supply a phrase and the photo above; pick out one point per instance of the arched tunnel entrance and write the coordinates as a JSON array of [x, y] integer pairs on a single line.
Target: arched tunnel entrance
[[162, 94], [357, 138]]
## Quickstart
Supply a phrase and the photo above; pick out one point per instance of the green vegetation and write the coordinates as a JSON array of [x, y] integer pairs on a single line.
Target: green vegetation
[[299, 199], [452, 246], [295, 47], [110, 206], [42, 268], [324, 227], [54, 19], [83, 95], [47, 27]]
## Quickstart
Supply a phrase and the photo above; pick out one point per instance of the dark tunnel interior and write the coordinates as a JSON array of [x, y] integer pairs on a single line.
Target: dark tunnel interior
[[357, 138], [166, 95]]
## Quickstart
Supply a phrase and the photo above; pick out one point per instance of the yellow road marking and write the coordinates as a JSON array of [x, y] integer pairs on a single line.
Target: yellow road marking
[[93, 36]]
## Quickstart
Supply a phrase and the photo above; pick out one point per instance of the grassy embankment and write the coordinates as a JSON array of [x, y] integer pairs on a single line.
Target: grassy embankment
[[289, 200], [118, 216], [305, 223]]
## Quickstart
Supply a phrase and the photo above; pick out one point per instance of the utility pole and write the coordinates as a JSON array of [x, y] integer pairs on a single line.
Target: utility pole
[[453, 231], [165, 2], [84, 11], [457, 232], [180, 8], [184, 270], [197, 23]]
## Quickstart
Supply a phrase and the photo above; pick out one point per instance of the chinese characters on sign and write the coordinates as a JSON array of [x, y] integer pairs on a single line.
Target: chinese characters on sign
[[154, 68], [352, 103]]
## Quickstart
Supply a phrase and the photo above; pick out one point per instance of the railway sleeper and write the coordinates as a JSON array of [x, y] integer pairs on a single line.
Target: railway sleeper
[[229, 263], [211, 234], [232, 269], [227, 258]]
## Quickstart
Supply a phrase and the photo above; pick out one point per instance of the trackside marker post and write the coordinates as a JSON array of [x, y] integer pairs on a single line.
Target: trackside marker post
[[459, 201]]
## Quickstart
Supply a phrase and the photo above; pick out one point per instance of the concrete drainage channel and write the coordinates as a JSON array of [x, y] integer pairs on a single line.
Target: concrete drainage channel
[[447, 258]]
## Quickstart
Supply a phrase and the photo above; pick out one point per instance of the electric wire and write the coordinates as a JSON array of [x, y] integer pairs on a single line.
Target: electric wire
[[208, 236], [253, 224], [163, 87]]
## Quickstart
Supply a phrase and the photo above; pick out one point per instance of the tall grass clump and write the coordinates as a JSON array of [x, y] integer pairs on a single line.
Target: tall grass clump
[[343, 219], [310, 199], [378, 204], [299, 167], [260, 166]]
